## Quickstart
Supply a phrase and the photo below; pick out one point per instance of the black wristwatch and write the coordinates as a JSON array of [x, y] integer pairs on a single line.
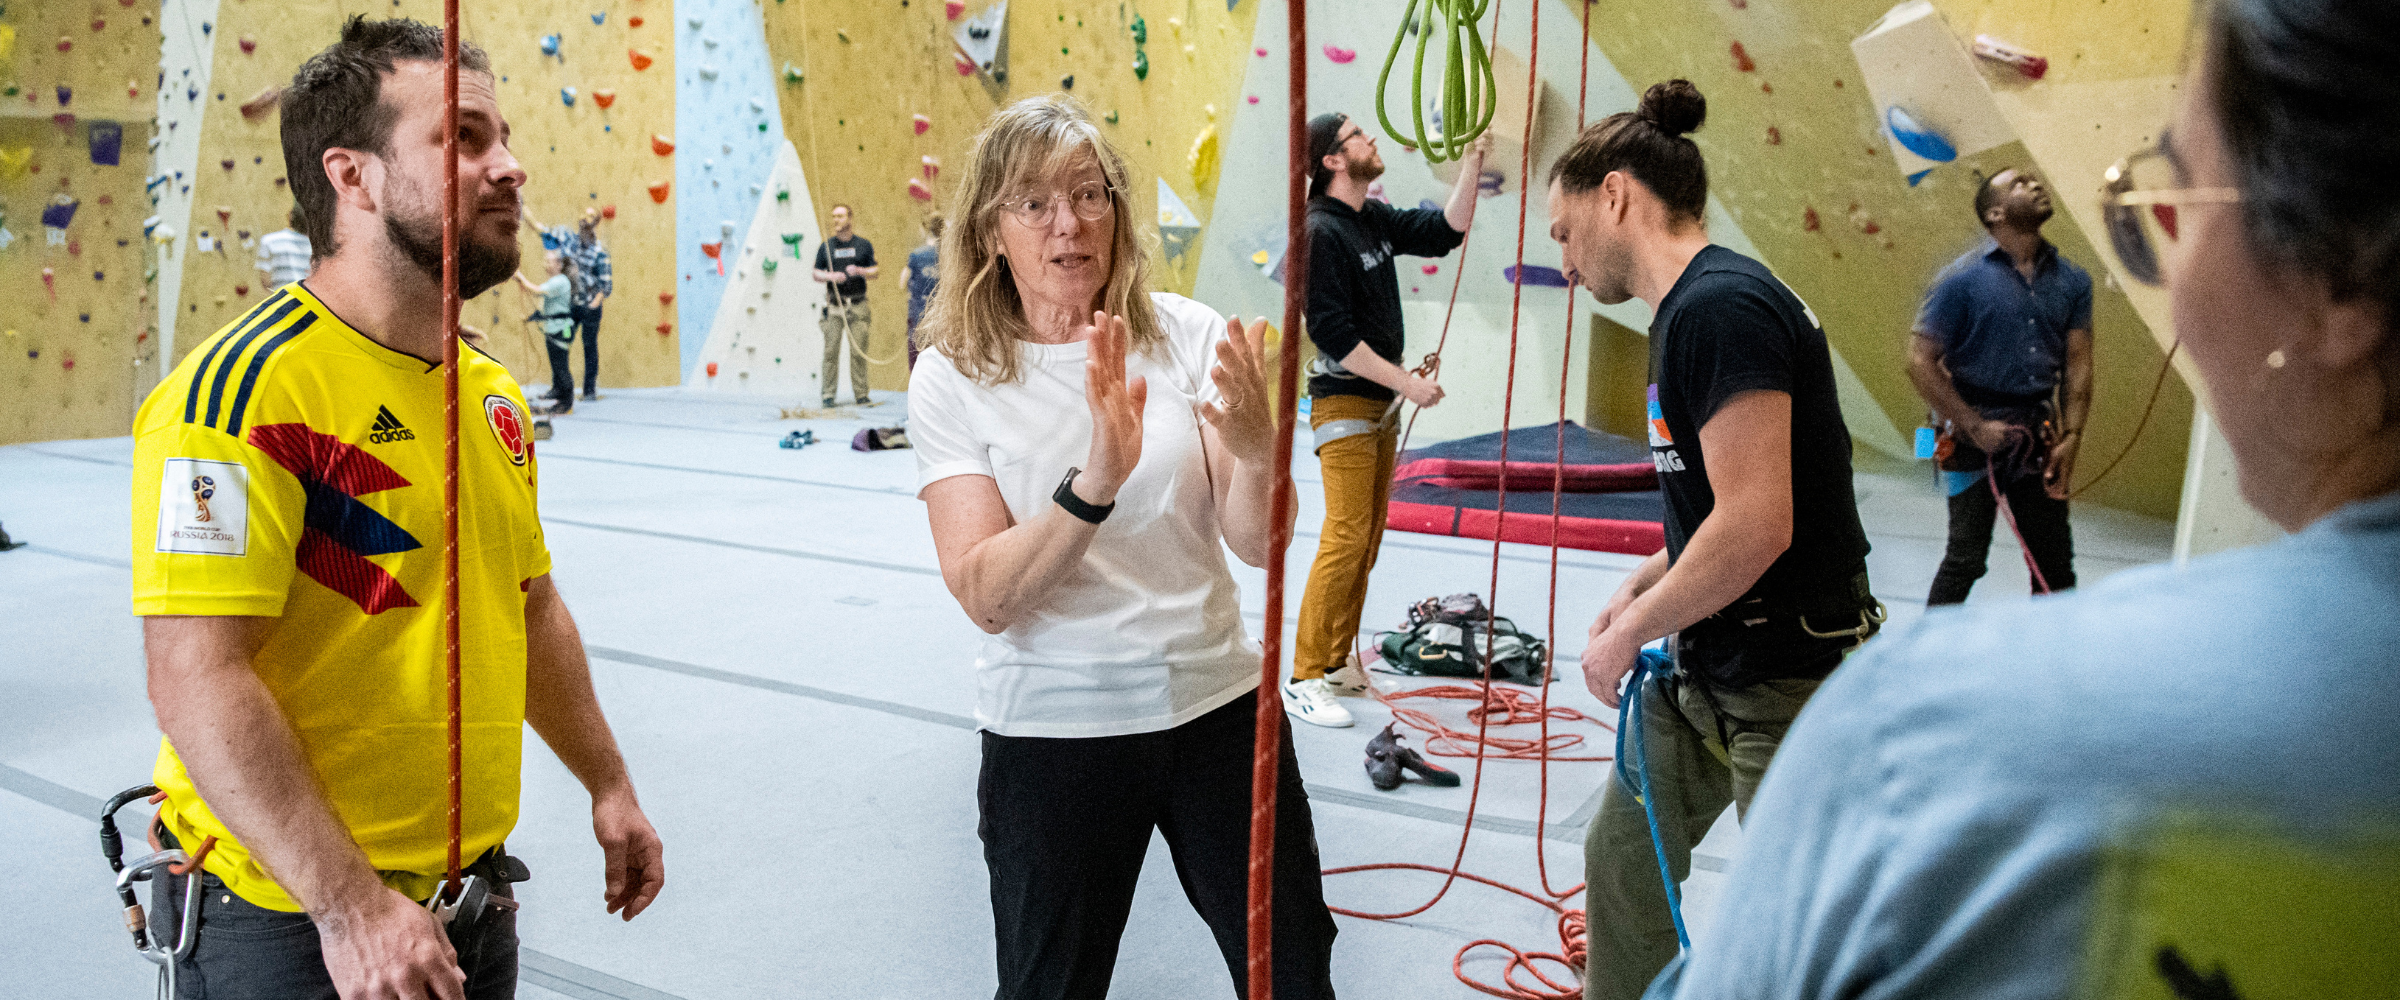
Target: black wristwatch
[[1065, 495]]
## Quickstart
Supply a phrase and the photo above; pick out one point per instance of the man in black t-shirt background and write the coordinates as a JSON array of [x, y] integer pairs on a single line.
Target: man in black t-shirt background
[[1355, 387], [844, 263], [1763, 581]]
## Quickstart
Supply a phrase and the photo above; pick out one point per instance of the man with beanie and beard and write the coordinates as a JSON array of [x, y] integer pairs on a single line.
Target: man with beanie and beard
[[1763, 583], [1355, 387], [2007, 327], [288, 562]]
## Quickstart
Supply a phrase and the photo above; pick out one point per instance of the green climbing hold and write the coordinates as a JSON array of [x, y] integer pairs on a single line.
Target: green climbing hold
[[1062, 50], [767, 265], [791, 74], [1112, 117], [762, 126], [1141, 31], [1141, 65], [783, 194]]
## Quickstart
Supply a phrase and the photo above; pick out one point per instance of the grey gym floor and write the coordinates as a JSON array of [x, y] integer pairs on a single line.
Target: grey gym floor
[[790, 682]]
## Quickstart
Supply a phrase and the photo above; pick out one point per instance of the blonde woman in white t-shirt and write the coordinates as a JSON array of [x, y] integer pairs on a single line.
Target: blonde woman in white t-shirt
[[1087, 450]]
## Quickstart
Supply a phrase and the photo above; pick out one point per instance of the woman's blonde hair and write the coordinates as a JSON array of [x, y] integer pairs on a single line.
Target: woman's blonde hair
[[976, 318]]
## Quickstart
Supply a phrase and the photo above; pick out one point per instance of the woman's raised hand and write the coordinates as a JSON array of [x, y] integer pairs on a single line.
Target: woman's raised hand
[[1116, 411], [1245, 421]]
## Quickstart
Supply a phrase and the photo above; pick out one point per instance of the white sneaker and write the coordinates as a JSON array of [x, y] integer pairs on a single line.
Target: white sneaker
[[1350, 681], [1311, 701]]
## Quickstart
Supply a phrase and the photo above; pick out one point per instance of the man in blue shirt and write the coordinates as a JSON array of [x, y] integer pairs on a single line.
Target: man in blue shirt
[[924, 271], [2006, 328], [594, 280]]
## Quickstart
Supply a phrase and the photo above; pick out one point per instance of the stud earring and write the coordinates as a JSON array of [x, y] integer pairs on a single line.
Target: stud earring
[[2275, 358]]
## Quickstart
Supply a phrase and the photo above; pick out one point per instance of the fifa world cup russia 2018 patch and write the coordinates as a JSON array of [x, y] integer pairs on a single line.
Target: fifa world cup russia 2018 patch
[[204, 508], [509, 425]]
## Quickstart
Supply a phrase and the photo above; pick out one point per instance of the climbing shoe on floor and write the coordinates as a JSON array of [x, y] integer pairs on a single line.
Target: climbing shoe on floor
[[1427, 771], [1383, 759], [1312, 702]]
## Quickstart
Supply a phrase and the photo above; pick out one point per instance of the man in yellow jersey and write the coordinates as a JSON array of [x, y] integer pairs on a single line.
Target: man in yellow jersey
[[287, 549]]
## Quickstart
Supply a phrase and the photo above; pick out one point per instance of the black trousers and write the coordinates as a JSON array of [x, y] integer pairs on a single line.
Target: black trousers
[[562, 377], [2041, 517], [1065, 823], [587, 329], [249, 952]]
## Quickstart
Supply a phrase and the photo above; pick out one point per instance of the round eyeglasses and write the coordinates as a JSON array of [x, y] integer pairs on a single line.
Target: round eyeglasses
[[1090, 201], [2139, 198]]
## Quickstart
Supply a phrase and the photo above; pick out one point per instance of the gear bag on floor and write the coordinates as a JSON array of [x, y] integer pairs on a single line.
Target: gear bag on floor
[[1446, 637]]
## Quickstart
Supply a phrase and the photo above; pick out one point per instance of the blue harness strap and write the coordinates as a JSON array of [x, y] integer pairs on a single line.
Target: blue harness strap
[[1636, 779]]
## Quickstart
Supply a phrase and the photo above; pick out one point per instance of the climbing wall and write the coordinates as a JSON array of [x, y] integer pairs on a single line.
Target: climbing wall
[[77, 346], [760, 342], [1799, 158], [875, 90], [577, 154], [728, 129]]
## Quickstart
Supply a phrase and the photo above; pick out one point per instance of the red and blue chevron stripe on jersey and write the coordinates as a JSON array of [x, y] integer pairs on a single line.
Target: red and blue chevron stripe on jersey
[[340, 532]]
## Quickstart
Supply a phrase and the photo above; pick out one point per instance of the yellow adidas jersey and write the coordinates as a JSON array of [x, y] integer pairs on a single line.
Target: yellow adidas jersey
[[292, 468]]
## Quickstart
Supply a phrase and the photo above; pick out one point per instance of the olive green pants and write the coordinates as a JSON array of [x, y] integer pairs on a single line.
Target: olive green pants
[[1694, 774], [845, 323]]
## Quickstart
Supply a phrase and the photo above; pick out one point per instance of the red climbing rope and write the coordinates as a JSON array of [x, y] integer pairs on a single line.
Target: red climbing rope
[[1266, 753], [1509, 706], [450, 363]]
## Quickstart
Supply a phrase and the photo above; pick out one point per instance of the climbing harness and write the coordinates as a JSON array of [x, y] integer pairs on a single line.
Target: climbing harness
[[1636, 778], [1469, 94]]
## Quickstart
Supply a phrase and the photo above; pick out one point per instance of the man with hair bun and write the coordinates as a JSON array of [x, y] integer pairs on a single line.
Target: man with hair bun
[[1763, 583]]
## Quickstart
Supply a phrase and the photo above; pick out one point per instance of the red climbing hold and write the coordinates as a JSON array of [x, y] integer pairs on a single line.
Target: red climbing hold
[[1808, 221], [604, 98], [922, 123], [634, 22], [666, 298], [658, 191], [1340, 55], [1741, 59], [641, 59], [241, 289], [249, 45], [1432, 268], [917, 189], [667, 328], [712, 367], [608, 211], [661, 145], [953, 8], [1774, 136]]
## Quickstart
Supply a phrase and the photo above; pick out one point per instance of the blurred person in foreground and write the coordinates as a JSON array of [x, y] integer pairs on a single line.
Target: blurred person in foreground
[[2178, 782]]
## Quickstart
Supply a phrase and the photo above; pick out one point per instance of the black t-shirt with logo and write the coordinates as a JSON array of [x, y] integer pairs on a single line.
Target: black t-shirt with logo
[[1730, 326], [834, 255], [1353, 286]]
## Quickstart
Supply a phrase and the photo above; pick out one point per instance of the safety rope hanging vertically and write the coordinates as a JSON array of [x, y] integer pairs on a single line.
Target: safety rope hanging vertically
[[450, 380], [1266, 751]]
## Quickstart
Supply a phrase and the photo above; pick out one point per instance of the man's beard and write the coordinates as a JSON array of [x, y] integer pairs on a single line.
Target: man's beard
[[2030, 215], [1612, 269], [480, 265], [1363, 171]]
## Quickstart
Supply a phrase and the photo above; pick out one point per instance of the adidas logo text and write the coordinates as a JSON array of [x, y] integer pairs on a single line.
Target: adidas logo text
[[387, 428]]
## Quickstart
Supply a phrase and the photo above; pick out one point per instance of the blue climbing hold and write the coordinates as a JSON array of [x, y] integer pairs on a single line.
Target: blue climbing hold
[[1916, 138], [549, 45], [567, 95], [1536, 275], [599, 17]]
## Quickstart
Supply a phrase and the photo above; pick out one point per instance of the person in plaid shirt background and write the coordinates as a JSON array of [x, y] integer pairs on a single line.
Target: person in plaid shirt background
[[594, 280]]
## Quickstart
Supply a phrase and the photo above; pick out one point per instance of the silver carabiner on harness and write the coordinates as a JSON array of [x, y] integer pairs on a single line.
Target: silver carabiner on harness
[[160, 953], [1869, 620]]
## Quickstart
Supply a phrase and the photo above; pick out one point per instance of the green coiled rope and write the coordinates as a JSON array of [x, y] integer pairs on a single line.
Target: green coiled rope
[[1469, 93]]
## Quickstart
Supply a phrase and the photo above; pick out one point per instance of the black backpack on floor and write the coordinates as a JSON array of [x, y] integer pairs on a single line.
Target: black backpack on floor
[[1446, 637]]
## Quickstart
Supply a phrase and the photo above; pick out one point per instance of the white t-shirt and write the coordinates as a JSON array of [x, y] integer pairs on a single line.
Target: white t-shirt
[[1146, 633]]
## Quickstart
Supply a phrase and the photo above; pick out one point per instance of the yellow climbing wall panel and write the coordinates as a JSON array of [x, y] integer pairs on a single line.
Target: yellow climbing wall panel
[[869, 70], [1796, 154], [573, 158], [68, 350]]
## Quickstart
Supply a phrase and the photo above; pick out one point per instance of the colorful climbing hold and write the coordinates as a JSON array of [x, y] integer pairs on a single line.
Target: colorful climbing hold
[[921, 122], [918, 189], [951, 9], [1431, 268], [1774, 136], [791, 74], [604, 98], [1253, 98], [1340, 55], [1262, 53], [566, 95], [1141, 30], [641, 59], [634, 22], [1141, 65], [549, 45], [1808, 221], [933, 167], [599, 16], [249, 45], [660, 190], [666, 298], [661, 144], [1067, 82], [1741, 59]]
